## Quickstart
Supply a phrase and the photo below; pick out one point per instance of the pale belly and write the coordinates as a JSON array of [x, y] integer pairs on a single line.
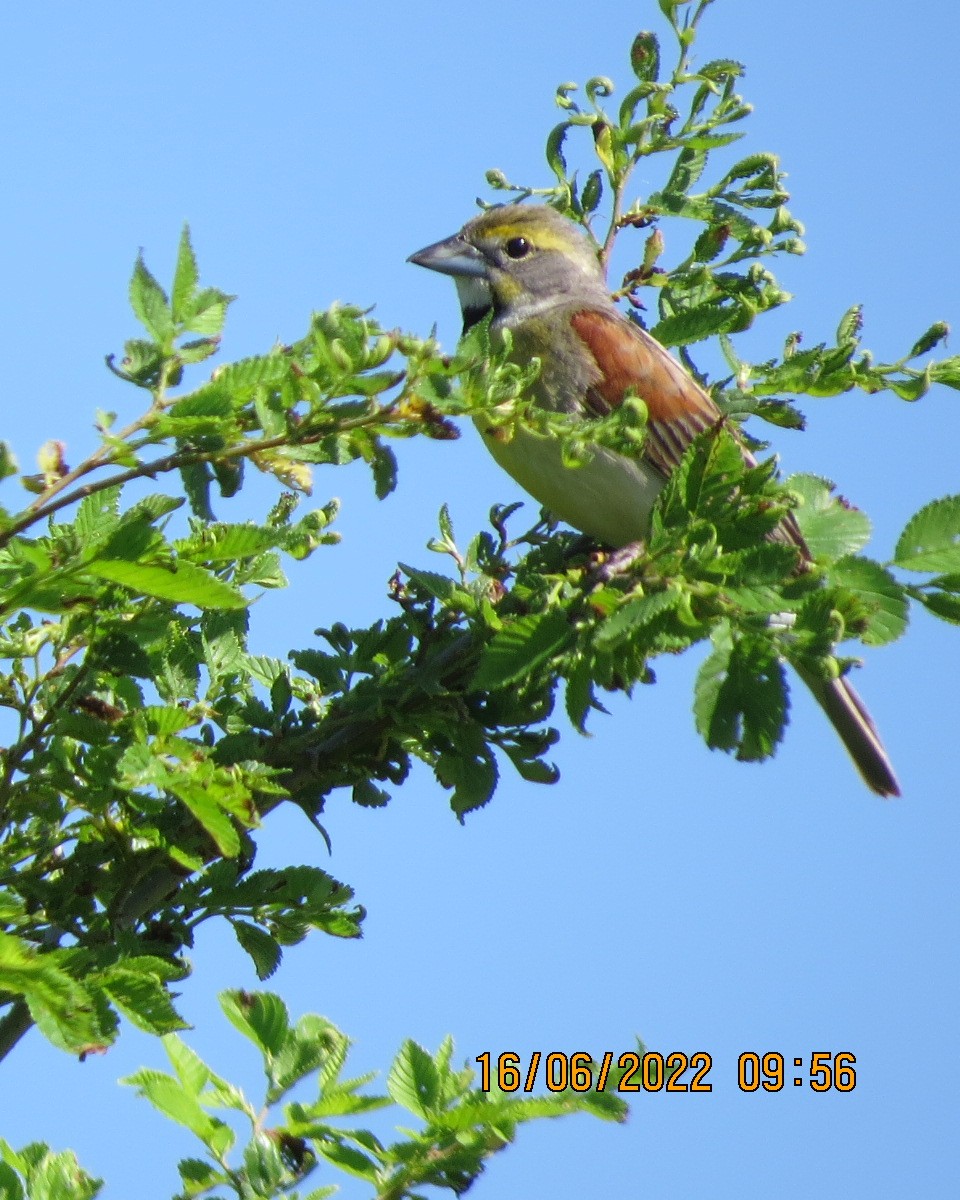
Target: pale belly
[[609, 497]]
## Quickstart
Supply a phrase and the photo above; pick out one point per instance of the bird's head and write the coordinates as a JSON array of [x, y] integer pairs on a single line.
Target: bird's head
[[518, 260]]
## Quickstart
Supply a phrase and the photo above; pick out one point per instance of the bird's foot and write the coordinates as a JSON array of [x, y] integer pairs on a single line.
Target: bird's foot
[[612, 563]]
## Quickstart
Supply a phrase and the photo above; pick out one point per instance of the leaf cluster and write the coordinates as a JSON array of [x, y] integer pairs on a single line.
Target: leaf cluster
[[288, 1140]]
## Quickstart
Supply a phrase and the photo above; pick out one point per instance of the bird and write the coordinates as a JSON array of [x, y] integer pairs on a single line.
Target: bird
[[537, 275]]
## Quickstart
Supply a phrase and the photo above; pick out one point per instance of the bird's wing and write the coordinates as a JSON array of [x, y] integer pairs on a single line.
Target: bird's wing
[[678, 409], [630, 360]]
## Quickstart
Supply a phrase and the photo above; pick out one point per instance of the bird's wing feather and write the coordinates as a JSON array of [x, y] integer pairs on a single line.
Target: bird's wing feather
[[631, 360], [678, 409]]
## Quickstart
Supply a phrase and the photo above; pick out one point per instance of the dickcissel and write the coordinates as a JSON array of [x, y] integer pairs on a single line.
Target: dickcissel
[[540, 276]]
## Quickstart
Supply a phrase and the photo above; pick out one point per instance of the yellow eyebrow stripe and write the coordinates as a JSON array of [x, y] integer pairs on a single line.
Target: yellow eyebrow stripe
[[542, 238]]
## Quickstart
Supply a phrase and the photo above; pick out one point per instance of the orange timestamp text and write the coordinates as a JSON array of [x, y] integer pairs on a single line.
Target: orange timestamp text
[[651, 1071]]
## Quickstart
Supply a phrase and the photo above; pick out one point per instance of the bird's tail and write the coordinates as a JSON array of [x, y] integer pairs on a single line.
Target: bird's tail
[[850, 718]]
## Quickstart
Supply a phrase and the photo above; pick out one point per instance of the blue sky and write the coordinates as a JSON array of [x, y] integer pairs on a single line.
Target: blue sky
[[659, 889]]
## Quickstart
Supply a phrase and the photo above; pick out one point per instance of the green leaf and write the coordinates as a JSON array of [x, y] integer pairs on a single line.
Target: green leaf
[[578, 696], [185, 278], [555, 159], [199, 1176], [697, 324], [186, 584], [8, 461], [442, 587], [384, 467], [721, 69], [829, 526], [687, 170], [470, 769], [741, 698], [63, 1009], [946, 372], [196, 483], [208, 810], [932, 337], [209, 312], [175, 1101], [143, 999], [592, 192], [931, 539], [850, 325], [349, 1159], [520, 647], [260, 1016], [225, 543], [882, 593], [645, 57], [262, 948], [213, 402], [634, 614], [413, 1081], [149, 303], [944, 605], [366, 793]]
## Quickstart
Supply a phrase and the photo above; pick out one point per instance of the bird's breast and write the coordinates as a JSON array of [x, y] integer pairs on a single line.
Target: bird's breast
[[608, 496]]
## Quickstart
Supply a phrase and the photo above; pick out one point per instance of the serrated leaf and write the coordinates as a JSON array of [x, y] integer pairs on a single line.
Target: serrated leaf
[[212, 401], [445, 522], [209, 312], [143, 1000], [719, 69], [634, 614], [697, 324], [384, 467], [944, 605], [190, 1068], [196, 479], [413, 1081], [555, 159], [63, 1009], [187, 584], [199, 1176], [171, 1098], [442, 587], [578, 695], [882, 593], [946, 372], [349, 1159], [262, 948], [913, 388], [149, 302], [645, 57], [520, 647], [713, 141], [931, 538], [932, 337], [208, 812], [228, 542], [830, 528], [850, 325], [470, 770], [246, 374], [260, 1016], [780, 413], [366, 793], [185, 278], [687, 169], [592, 192], [741, 698]]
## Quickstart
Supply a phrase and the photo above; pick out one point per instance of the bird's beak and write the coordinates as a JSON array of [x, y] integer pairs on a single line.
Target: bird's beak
[[453, 256]]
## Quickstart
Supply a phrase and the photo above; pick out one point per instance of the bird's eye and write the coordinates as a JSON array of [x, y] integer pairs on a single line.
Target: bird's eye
[[518, 247]]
